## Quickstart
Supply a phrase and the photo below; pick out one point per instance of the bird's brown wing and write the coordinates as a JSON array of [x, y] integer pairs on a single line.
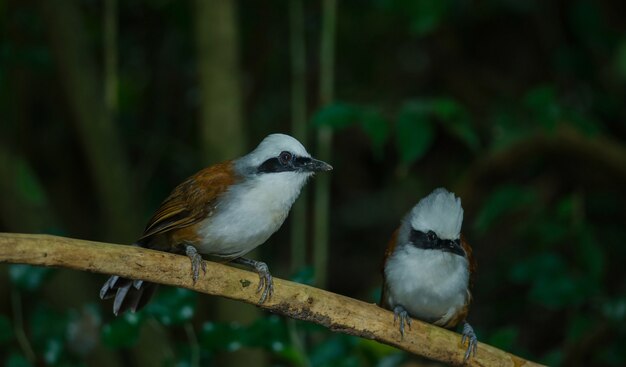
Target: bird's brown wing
[[191, 202], [393, 242], [471, 260]]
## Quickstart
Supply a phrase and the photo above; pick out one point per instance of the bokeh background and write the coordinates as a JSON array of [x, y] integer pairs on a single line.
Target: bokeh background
[[517, 106]]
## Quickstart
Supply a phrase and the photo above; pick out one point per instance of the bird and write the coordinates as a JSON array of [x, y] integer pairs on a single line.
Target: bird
[[224, 211], [428, 268]]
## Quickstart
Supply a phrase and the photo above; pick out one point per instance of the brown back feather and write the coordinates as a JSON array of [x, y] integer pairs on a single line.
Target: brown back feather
[[192, 201], [471, 260], [391, 246]]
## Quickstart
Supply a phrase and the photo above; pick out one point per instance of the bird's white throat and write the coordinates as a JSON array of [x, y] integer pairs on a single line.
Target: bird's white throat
[[430, 284], [250, 212]]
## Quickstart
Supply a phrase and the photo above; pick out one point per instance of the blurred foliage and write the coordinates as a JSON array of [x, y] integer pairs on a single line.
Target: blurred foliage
[[517, 106]]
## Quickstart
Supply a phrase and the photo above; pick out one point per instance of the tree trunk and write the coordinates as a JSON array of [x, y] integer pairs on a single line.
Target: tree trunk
[[298, 127], [95, 127], [217, 45], [324, 140]]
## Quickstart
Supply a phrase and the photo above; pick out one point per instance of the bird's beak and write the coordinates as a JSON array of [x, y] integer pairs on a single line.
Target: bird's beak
[[453, 247], [314, 165]]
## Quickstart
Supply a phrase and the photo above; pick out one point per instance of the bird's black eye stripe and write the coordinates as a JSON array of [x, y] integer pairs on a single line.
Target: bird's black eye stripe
[[301, 161], [430, 241], [285, 162], [271, 165], [425, 240]]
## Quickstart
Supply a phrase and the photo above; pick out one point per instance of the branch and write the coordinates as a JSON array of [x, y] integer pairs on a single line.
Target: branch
[[334, 311], [597, 154]]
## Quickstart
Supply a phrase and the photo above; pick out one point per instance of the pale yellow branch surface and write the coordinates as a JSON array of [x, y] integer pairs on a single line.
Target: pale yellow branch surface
[[334, 311]]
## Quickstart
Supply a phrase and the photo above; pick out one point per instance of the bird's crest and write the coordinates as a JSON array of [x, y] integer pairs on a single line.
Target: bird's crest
[[440, 212]]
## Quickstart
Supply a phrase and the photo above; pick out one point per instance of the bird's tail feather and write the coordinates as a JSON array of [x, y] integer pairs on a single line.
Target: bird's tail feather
[[129, 294]]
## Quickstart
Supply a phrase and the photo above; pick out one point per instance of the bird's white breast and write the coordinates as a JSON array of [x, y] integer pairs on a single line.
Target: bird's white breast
[[249, 213], [430, 284]]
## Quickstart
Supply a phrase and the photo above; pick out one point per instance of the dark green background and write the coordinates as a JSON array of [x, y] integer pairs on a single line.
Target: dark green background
[[517, 106]]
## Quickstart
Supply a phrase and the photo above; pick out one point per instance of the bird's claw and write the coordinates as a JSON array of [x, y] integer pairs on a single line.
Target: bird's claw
[[197, 262], [266, 283], [472, 341], [400, 313]]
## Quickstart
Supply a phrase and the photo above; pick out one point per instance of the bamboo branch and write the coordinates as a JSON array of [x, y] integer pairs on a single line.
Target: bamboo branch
[[321, 205], [334, 311], [297, 39]]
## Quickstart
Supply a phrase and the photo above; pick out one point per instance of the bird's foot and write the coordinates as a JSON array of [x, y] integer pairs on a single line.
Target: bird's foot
[[197, 262], [266, 283], [472, 341], [400, 313]]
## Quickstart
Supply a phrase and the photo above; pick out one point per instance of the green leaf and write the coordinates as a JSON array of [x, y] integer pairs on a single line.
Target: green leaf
[[377, 349], [505, 200], [48, 333], [555, 292], [268, 332], [304, 275], [327, 352], [504, 338], [463, 130], [507, 128], [446, 108], [28, 185], [336, 116], [579, 327], [27, 277], [219, 336], [173, 306], [46, 323], [426, 15], [552, 283], [540, 97], [122, 332], [615, 309], [53, 350], [17, 360], [376, 127], [536, 267], [588, 125], [456, 121], [291, 355], [611, 353], [546, 110], [414, 132], [553, 358], [590, 254], [6, 330]]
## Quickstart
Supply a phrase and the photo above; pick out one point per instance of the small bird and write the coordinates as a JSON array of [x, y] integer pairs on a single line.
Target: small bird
[[428, 267], [225, 210]]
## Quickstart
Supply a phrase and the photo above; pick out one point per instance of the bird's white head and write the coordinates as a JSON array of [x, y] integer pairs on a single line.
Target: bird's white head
[[279, 153], [434, 223], [440, 212]]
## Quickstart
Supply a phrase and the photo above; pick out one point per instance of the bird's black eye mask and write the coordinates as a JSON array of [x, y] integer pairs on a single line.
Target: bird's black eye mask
[[288, 162], [430, 241], [285, 162]]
